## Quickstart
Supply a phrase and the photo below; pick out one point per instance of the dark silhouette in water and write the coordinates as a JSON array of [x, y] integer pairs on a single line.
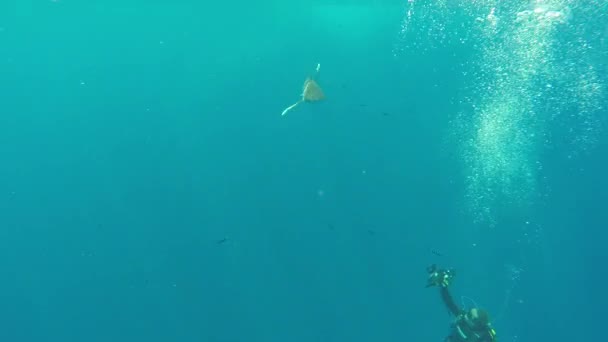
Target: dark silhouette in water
[[436, 252], [472, 325]]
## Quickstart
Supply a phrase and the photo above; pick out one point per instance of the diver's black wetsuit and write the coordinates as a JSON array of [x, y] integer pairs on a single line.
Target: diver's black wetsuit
[[461, 330], [449, 302]]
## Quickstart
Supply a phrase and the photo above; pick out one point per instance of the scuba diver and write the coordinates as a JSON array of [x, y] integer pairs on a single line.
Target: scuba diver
[[469, 325]]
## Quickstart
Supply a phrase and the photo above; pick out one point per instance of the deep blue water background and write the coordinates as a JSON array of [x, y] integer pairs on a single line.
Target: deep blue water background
[[136, 135]]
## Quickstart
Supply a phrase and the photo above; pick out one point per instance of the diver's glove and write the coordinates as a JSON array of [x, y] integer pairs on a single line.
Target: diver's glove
[[437, 277]]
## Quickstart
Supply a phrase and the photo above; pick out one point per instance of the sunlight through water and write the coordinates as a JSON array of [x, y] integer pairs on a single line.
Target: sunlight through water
[[533, 83]]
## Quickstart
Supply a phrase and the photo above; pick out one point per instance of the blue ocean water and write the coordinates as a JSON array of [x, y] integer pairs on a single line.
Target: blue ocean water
[[150, 190]]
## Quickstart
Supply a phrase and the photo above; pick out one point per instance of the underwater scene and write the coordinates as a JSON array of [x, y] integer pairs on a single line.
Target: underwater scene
[[303, 170]]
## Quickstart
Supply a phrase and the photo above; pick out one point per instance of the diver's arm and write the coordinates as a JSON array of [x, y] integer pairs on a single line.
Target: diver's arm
[[442, 279], [449, 301]]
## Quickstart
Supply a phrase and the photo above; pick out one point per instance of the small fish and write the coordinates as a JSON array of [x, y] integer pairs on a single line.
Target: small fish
[[222, 240], [436, 252]]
